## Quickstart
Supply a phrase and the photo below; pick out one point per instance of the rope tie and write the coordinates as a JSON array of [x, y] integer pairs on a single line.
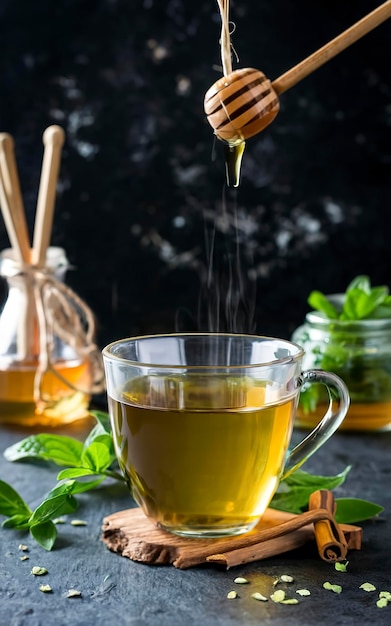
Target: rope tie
[[62, 315]]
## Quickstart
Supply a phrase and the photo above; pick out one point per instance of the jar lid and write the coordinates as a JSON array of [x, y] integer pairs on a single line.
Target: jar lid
[[10, 265]]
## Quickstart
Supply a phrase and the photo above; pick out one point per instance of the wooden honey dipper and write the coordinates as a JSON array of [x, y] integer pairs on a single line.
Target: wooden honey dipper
[[243, 102]]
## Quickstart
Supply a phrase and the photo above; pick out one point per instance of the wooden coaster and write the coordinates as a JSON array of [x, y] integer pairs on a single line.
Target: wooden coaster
[[131, 534]]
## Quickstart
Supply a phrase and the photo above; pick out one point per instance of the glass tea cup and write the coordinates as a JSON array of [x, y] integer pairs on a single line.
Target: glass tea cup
[[202, 424]]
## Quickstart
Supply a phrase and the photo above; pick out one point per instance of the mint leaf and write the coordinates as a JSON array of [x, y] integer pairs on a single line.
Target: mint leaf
[[320, 302], [294, 491], [360, 282], [360, 305], [60, 449], [352, 510], [361, 301]]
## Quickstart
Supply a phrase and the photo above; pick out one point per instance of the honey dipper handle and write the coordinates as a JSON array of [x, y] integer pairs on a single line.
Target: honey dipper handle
[[331, 49]]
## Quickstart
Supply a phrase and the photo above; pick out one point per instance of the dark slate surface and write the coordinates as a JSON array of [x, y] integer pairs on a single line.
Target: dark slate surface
[[142, 193], [116, 590], [142, 183]]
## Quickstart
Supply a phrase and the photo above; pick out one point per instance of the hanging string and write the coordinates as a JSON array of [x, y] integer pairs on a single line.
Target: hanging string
[[225, 39]]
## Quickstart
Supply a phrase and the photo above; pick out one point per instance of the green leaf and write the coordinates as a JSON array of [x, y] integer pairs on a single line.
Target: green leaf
[[352, 510], [53, 506], [19, 521], [360, 305], [81, 487], [75, 472], [45, 534], [320, 302], [74, 487], [60, 449], [11, 503], [360, 282], [99, 455], [103, 425], [294, 491]]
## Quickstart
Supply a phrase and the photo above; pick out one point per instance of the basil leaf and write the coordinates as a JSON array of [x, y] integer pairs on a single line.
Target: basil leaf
[[81, 487], [103, 420], [11, 502], [60, 504], [99, 455], [45, 534], [351, 510], [74, 487], [18, 521], [75, 472], [102, 427], [60, 449]]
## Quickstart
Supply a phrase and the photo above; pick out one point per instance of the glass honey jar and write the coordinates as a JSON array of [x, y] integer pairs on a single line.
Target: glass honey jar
[[49, 364]]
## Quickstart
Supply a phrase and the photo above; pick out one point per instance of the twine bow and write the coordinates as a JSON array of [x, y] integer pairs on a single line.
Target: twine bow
[[62, 314]]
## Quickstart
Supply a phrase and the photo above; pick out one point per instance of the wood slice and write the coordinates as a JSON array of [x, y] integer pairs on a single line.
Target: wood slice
[[131, 534]]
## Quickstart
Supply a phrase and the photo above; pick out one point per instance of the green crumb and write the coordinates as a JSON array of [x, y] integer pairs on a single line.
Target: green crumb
[[367, 587], [239, 580], [386, 595], [78, 522], [258, 596], [303, 592], [39, 571], [278, 596], [22, 547], [290, 601], [286, 579], [73, 593], [45, 588], [341, 567], [334, 588]]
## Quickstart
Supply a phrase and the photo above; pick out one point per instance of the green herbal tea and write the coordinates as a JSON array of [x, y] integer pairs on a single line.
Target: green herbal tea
[[209, 455]]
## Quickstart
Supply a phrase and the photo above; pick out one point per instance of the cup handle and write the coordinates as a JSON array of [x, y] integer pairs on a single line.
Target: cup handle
[[338, 392]]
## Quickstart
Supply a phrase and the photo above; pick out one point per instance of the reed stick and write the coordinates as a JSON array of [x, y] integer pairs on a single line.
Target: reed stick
[[53, 139], [16, 225], [11, 201], [332, 48]]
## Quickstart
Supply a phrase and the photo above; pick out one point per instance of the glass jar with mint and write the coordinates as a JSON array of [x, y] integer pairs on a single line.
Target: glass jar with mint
[[350, 335]]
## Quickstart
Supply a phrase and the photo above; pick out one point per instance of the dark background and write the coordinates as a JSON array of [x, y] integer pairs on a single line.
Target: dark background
[[157, 241]]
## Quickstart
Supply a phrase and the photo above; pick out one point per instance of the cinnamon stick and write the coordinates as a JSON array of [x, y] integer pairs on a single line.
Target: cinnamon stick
[[331, 542]]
